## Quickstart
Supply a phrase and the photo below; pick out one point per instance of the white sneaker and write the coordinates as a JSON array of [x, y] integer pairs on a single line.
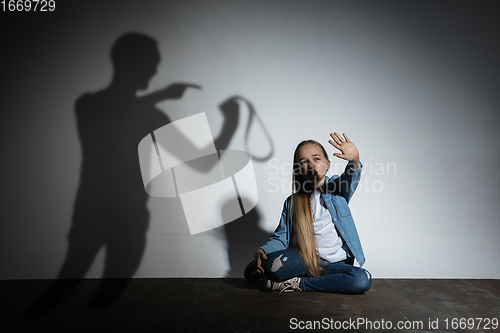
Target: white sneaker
[[284, 286]]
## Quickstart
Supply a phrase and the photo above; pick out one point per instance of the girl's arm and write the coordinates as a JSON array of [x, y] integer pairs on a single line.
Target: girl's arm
[[279, 240]]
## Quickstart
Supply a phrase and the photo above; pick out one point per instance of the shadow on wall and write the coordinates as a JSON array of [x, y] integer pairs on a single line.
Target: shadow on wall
[[110, 209], [244, 237]]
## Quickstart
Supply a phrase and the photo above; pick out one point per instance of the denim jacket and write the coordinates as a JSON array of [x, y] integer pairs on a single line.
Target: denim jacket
[[336, 195]]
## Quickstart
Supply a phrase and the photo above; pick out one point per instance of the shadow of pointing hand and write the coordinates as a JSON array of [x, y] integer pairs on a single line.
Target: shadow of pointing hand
[[176, 90], [173, 91]]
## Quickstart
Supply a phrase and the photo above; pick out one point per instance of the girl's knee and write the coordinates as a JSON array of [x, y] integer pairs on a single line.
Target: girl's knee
[[272, 265], [283, 265], [362, 282]]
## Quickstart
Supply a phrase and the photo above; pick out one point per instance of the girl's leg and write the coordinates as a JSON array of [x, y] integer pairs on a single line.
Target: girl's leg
[[283, 265], [340, 278]]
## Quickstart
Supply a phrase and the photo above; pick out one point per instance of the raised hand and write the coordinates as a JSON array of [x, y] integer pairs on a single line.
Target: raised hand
[[348, 150]]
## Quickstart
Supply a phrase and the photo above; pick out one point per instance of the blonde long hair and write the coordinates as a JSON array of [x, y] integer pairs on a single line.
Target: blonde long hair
[[303, 235]]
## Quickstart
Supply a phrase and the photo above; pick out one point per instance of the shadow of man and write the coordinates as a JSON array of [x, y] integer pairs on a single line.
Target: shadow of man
[[110, 209]]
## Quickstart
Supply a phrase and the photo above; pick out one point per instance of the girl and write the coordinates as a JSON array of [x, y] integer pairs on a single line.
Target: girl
[[314, 246]]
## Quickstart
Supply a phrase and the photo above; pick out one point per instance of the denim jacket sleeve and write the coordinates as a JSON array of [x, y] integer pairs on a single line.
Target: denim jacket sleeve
[[346, 183], [280, 239], [339, 192]]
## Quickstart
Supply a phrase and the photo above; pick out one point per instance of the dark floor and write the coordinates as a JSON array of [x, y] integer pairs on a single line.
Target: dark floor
[[235, 305]]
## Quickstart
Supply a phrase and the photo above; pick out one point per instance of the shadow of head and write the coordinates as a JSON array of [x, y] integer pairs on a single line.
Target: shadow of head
[[135, 58]]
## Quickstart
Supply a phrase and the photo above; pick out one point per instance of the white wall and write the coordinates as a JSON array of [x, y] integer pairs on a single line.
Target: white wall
[[413, 84]]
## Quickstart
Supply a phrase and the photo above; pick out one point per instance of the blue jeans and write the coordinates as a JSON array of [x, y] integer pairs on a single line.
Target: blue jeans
[[340, 277]]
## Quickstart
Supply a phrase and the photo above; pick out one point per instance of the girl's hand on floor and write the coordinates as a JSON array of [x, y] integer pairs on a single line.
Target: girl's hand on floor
[[259, 256]]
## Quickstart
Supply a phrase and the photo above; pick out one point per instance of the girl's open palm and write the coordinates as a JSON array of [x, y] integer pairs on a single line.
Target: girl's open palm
[[346, 147]]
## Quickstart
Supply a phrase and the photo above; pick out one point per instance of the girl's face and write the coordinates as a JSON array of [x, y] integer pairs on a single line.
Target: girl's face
[[313, 163]]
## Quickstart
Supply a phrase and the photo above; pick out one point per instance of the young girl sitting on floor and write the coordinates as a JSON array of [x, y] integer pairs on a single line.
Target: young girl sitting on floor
[[314, 246]]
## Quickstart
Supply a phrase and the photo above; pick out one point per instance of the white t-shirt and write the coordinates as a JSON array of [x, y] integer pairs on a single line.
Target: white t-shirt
[[330, 245]]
